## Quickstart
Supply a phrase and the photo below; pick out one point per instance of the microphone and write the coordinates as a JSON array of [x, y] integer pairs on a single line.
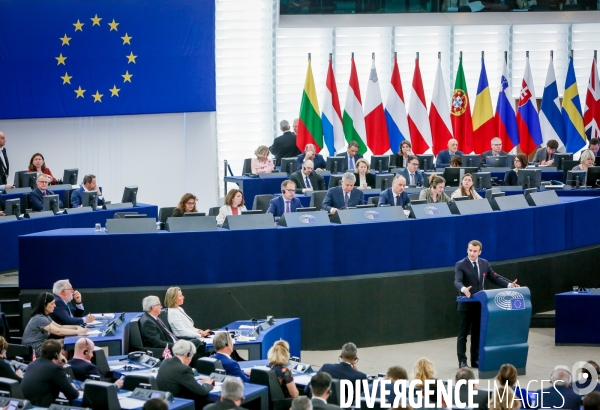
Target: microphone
[[245, 311], [502, 277]]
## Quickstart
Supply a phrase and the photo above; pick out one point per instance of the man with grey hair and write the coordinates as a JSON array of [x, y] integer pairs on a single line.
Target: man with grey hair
[[351, 156], [69, 309], [346, 369], [284, 146], [395, 195], [232, 393], [176, 376], [223, 344], [295, 125], [154, 331], [560, 395], [495, 151], [344, 196], [301, 403]]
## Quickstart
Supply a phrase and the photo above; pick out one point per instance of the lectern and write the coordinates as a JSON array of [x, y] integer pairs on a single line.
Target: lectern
[[505, 319]]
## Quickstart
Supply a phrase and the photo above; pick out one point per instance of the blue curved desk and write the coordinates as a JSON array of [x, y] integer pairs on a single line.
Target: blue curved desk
[[260, 255]]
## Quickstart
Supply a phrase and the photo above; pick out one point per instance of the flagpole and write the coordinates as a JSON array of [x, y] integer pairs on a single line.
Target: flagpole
[[417, 55], [551, 54], [308, 56], [482, 55], [353, 55], [506, 57], [571, 53], [372, 56], [595, 52], [330, 56], [439, 55], [460, 55]]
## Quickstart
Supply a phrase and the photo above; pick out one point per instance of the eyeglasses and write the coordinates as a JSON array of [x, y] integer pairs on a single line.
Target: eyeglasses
[[43, 182], [191, 203], [416, 164]]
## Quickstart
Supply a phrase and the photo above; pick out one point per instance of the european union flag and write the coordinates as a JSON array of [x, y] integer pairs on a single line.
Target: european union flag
[[66, 58], [517, 304]]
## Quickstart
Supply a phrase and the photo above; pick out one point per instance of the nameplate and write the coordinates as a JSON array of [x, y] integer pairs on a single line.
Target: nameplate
[[506, 203], [295, 219], [273, 175], [469, 207], [62, 187], [8, 218], [368, 215], [137, 225], [371, 191], [196, 224], [542, 198], [80, 210], [118, 205], [42, 214], [433, 210], [258, 221]]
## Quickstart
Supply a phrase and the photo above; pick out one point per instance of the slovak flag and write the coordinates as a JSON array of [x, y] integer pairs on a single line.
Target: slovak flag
[[528, 122], [167, 353]]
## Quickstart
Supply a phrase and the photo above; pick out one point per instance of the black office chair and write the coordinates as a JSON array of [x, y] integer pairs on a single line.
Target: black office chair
[[208, 365], [164, 214], [12, 387], [247, 168], [316, 199], [334, 392], [213, 210], [101, 362], [262, 202], [373, 200], [268, 378], [133, 380], [100, 396], [135, 339]]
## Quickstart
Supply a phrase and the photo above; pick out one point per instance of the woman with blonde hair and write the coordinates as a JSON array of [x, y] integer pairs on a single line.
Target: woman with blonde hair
[[585, 161], [423, 370], [262, 164], [279, 356], [181, 324], [507, 377], [504, 399]]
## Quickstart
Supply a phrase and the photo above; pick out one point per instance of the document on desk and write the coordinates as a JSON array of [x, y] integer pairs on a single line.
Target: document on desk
[[94, 323], [93, 333], [129, 403], [247, 327], [303, 379], [104, 315]]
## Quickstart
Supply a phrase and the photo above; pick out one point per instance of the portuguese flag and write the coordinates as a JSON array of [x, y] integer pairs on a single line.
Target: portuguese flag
[[310, 130], [460, 113]]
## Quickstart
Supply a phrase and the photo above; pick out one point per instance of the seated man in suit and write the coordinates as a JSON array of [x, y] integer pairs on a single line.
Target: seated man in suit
[[82, 365], [69, 309], [496, 150], [232, 393], [346, 368], [285, 203], [36, 197], [307, 179], [444, 156], [559, 395], [351, 156], [395, 196], [310, 154], [545, 155], [176, 376], [223, 344], [344, 196], [320, 386], [594, 147], [89, 184], [411, 173]]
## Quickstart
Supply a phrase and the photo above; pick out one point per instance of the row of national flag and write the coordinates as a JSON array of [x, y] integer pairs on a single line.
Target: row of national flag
[[382, 129]]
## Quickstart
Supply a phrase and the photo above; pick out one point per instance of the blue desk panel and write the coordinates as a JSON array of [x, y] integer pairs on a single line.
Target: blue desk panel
[[142, 259], [577, 321], [117, 344], [176, 404], [10, 231]]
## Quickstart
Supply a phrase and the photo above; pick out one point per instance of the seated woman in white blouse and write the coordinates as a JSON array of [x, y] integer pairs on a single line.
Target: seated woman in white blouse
[[181, 324]]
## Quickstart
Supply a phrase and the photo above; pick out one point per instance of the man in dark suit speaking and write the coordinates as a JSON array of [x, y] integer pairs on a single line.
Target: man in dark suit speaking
[[344, 196], [470, 274]]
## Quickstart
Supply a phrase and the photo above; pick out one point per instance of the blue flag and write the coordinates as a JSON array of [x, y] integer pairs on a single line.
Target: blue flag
[[66, 58], [571, 113]]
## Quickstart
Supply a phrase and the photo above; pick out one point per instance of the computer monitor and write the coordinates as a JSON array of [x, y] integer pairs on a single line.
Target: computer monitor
[[482, 180], [530, 178], [365, 206], [425, 162], [471, 160], [560, 158], [254, 212], [12, 207], [496, 162], [90, 198], [418, 201], [121, 215], [336, 164], [574, 178], [288, 165], [130, 195], [194, 214], [460, 198], [380, 163], [51, 203], [593, 177], [498, 194], [384, 181], [334, 180], [70, 176], [307, 209], [453, 175], [135, 216], [24, 179], [596, 161], [566, 167]]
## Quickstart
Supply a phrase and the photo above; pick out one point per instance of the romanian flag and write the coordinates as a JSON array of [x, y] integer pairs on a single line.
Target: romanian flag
[[460, 110], [484, 128], [571, 113], [310, 130]]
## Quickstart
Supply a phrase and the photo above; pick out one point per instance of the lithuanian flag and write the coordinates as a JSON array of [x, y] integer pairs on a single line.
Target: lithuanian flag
[[310, 130]]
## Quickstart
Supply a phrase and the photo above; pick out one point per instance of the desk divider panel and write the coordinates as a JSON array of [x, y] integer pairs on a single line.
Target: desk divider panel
[[542, 198], [506, 203], [469, 207], [426, 211], [137, 225], [195, 224], [79, 210], [42, 214], [295, 219], [260, 221], [8, 218], [368, 215]]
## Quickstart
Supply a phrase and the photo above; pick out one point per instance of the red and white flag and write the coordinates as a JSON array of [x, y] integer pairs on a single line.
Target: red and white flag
[[439, 113], [418, 123], [167, 353], [377, 133], [591, 116]]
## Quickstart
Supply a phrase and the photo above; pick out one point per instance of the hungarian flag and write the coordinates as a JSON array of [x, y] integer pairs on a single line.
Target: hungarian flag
[[484, 128], [418, 123], [377, 133], [167, 353], [354, 120], [591, 117], [331, 117], [309, 123], [439, 113], [462, 124]]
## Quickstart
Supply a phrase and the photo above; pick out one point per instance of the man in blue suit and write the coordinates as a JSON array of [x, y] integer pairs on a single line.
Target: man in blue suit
[[344, 196], [285, 203], [69, 308], [444, 157], [89, 184], [310, 154], [346, 368], [351, 156], [36, 197], [411, 173], [395, 196], [223, 344], [560, 395]]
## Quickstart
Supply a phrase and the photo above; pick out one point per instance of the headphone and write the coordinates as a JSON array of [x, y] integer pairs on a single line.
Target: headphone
[[87, 347]]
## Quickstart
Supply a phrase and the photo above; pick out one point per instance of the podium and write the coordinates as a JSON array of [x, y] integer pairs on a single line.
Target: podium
[[505, 319]]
